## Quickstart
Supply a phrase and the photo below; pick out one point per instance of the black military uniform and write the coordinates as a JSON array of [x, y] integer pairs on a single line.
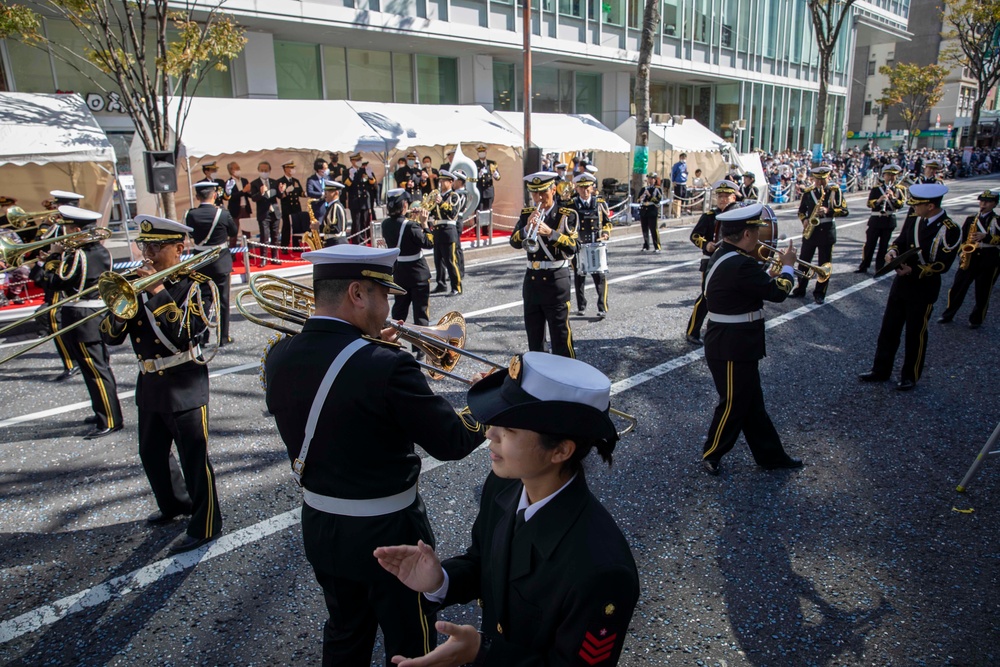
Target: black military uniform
[[411, 271], [546, 285], [486, 173], [360, 471], [594, 227], [265, 194], [79, 270], [983, 265], [209, 170], [213, 227], [749, 191], [291, 204], [649, 213], [884, 200], [824, 235], [911, 297], [331, 216], [52, 322], [168, 334], [358, 181], [736, 287], [707, 230], [445, 236]]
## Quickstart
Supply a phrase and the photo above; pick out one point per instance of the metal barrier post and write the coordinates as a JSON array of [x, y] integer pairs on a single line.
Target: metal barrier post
[[245, 278]]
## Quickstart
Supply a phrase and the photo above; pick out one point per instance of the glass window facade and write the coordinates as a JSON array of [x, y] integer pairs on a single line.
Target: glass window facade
[[297, 66], [588, 94], [402, 77], [31, 67], [437, 80], [335, 72], [370, 75]]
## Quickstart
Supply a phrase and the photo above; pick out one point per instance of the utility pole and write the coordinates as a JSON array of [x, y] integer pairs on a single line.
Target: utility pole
[[527, 77]]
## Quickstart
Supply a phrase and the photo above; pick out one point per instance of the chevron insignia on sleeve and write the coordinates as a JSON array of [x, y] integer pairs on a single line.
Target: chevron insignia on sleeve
[[597, 649]]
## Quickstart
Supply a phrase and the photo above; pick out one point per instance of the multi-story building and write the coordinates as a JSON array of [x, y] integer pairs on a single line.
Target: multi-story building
[[717, 61]]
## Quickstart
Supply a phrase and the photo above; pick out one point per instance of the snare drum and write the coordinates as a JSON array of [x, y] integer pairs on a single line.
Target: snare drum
[[593, 258], [768, 233]]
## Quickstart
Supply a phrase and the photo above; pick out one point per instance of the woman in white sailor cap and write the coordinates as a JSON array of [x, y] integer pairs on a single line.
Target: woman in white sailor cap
[[554, 574]]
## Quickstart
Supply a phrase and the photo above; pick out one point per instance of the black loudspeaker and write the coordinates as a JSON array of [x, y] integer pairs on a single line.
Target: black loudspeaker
[[532, 160], [161, 171]]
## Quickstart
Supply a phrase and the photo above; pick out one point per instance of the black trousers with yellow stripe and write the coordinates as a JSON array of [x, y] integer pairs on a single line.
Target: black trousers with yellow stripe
[[914, 314], [982, 273], [600, 284], [51, 325], [741, 410], [95, 368], [700, 310], [189, 430], [546, 303], [447, 261]]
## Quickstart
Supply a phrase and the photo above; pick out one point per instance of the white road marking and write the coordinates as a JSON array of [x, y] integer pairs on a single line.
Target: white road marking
[[142, 577]]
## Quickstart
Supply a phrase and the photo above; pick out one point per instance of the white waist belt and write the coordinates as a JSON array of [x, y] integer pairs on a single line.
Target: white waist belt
[[736, 319], [87, 303], [409, 258], [154, 365], [442, 223], [547, 265], [366, 507], [203, 248]]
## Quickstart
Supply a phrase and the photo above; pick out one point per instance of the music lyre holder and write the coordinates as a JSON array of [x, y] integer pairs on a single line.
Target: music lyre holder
[[963, 485]]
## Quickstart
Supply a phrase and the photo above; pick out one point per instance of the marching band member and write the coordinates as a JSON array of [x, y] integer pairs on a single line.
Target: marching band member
[[749, 191], [707, 236], [53, 321], [595, 226], [446, 235], [411, 271], [486, 173], [358, 181], [884, 200], [214, 227], [649, 212], [356, 462], [555, 577], [266, 192], [932, 169], [550, 246], [331, 217], [983, 264], [209, 172], [821, 204], [916, 285], [168, 334], [736, 287], [458, 187], [290, 201], [76, 271]]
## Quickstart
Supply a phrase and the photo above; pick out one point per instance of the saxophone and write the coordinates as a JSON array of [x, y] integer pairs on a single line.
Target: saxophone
[[312, 238], [969, 247], [813, 220]]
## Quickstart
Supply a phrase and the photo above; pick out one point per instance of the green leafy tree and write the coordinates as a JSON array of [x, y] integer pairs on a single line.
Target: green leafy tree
[[155, 55], [973, 29], [650, 19], [828, 18], [912, 91]]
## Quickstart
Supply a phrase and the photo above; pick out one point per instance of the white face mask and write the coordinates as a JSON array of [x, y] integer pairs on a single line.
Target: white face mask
[[411, 163], [265, 174], [326, 172], [355, 163], [236, 174], [481, 154]]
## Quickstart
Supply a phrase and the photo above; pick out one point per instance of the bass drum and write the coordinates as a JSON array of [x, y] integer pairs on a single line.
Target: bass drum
[[768, 233], [593, 258]]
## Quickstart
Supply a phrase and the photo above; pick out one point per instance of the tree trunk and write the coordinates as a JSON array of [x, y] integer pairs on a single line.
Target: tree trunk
[[169, 206], [642, 110], [977, 107], [819, 131]]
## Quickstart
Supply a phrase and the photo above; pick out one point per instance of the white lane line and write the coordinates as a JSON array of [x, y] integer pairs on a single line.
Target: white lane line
[[124, 394], [139, 579], [142, 577]]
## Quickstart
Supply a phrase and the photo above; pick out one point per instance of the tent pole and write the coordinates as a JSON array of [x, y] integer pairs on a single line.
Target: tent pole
[[187, 164], [123, 209]]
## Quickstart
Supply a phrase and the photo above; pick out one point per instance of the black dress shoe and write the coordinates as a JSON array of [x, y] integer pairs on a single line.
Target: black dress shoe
[[65, 375], [159, 518], [905, 385], [439, 290], [797, 294], [974, 326], [711, 467], [872, 376], [92, 419], [101, 432], [819, 299], [944, 320], [187, 543], [788, 464], [860, 270], [228, 340], [694, 340]]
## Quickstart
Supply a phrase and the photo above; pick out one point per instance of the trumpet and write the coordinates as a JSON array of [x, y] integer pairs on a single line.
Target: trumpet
[[120, 296], [18, 219], [531, 243], [14, 254], [443, 343], [772, 256]]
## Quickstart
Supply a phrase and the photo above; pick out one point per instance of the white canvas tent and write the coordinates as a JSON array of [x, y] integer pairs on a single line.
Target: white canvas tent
[[53, 142], [667, 142]]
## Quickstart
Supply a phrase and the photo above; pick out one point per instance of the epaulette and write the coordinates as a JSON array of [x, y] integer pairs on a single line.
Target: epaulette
[[527, 210], [949, 223], [833, 186], [565, 210], [198, 277], [600, 200], [808, 188], [382, 342]]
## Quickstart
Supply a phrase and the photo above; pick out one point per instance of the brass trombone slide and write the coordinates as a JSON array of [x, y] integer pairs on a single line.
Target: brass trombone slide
[[13, 254], [771, 255]]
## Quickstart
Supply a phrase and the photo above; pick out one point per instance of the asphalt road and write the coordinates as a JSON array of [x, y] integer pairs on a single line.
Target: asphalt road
[[867, 556]]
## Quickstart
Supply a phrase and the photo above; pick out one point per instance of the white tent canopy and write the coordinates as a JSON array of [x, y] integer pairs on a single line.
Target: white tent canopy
[[39, 129], [566, 133], [404, 126], [690, 136]]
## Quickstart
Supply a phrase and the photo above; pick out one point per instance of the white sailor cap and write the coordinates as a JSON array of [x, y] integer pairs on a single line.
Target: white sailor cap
[[591, 168], [546, 393], [726, 186], [585, 179], [927, 193], [397, 196], [66, 197], [332, 185], [446, 175], [737, 219], [891, 168], [78, 216], [460, 175], [934, 163], [153, 228], [355, 262], [822, 170], [540, 180], [561, 165], [201, 186]]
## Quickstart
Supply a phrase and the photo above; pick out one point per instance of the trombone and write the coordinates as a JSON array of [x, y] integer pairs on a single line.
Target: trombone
[[443, 343], [19, 219], [13, 254], [120, 296], [772, 256]]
